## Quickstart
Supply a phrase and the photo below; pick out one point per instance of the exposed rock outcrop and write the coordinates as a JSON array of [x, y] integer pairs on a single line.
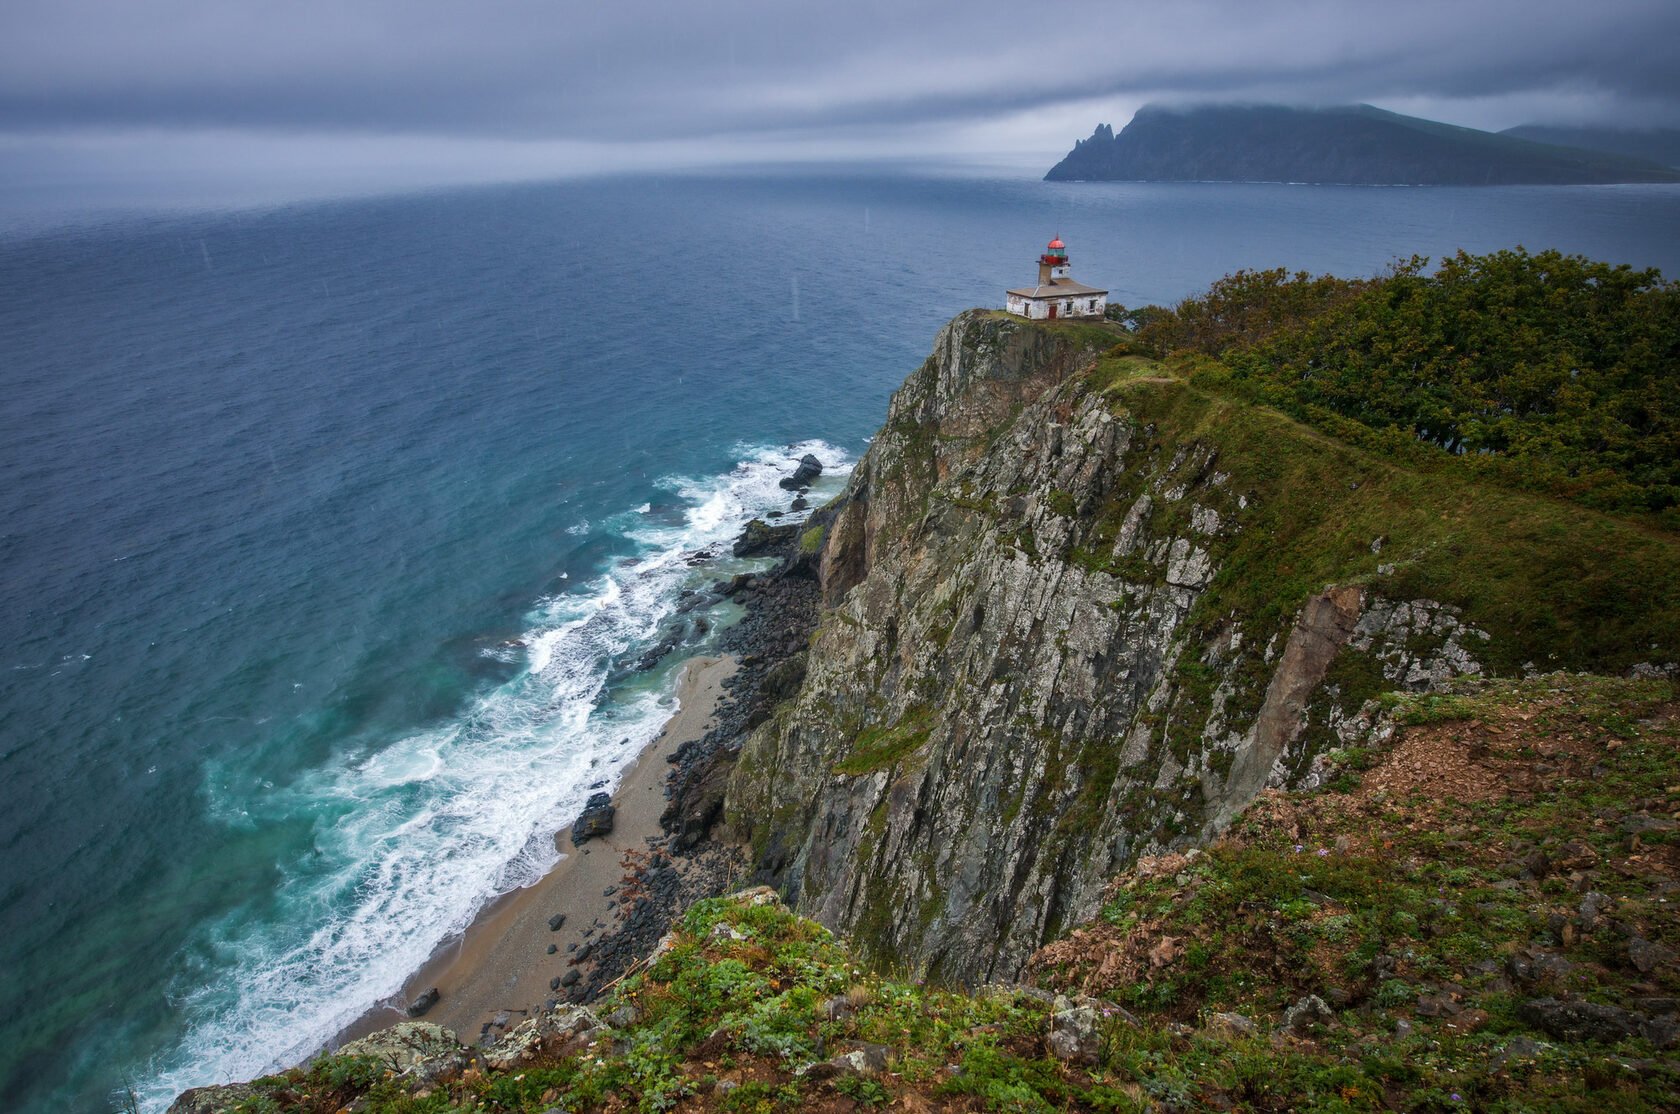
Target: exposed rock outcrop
[[416, 1050]]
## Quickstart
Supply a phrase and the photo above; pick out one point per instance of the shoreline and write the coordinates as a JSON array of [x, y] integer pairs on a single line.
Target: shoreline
[[501, 970]]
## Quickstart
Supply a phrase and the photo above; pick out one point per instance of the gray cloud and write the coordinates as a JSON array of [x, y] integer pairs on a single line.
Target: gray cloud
[[756, 72]]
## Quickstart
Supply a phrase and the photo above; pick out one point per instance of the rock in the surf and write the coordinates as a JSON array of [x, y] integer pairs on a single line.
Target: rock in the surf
[[809, 469]]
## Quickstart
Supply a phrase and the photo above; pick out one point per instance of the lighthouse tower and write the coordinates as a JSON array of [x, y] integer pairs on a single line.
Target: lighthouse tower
[[1053, 264], [1057, 294]]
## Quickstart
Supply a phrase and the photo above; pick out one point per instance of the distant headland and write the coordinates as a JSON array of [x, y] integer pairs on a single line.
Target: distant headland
[[1348, 145]]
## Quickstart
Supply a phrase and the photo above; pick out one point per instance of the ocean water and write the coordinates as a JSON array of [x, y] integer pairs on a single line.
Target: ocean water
[[331, 535]]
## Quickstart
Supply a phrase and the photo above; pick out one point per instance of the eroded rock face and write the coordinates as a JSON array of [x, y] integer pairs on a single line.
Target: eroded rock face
[[1021, 682], [554, 1028]]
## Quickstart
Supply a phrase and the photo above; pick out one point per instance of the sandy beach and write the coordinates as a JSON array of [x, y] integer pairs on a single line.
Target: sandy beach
[[502, 967]]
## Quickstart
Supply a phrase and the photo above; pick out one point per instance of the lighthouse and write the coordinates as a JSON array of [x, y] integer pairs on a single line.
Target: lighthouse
[[1053, 264], [1057, 295]]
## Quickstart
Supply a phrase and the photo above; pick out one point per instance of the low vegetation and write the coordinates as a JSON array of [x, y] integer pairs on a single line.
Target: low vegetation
[[1545, 371], [1478, 914]]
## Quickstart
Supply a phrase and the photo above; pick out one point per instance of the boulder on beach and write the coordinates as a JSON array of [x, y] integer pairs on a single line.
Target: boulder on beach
[[423, 1003], [597, 819]]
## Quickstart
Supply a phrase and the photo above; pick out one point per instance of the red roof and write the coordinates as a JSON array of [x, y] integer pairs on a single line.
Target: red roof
[[1057, 243]]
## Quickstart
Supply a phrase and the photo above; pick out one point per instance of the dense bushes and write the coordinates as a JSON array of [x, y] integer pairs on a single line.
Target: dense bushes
[[1546, 370]]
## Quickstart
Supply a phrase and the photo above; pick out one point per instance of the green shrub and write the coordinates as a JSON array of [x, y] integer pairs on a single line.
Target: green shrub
[[1546, 371]]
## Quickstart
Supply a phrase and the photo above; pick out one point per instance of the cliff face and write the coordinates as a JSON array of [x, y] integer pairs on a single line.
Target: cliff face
[[1077, 612]]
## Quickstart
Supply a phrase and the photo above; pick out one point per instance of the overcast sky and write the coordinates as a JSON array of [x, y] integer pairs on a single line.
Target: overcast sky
[[132, 98]]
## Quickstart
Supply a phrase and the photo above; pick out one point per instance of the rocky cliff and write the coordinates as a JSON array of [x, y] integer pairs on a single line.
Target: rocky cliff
[[1076, 610]]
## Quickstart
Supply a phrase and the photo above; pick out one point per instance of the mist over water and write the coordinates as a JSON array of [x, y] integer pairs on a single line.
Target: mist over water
[[331, 535]]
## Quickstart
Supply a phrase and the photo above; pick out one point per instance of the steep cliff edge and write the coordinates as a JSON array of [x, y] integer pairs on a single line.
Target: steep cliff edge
[[1077, 610]]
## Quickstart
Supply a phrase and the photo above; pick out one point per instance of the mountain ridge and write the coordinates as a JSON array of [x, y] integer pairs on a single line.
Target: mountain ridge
[[1658, 145], [1342, 145]]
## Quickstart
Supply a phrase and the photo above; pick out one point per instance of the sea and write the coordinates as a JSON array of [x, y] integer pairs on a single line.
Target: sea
[[332, 534]]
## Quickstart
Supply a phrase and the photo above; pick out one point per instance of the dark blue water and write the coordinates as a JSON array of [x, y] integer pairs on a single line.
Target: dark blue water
[[328, 533]]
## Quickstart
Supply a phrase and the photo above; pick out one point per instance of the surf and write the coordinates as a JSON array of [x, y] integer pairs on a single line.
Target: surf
[[413, 839]]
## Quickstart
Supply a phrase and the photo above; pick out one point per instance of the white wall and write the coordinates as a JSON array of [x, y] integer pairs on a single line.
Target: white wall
[[1038, 309]]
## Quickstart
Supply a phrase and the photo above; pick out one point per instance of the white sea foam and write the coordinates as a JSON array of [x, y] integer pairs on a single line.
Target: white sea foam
[[415, 838]]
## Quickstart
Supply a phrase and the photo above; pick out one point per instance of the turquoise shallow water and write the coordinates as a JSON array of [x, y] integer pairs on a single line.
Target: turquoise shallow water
[[330, 533]]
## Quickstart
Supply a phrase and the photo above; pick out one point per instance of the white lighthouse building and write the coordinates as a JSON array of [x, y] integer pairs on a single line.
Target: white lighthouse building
[[1056, 294]]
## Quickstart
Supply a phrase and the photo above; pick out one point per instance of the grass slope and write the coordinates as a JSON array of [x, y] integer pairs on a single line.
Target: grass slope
[[1516, 846], [1552, 582]]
